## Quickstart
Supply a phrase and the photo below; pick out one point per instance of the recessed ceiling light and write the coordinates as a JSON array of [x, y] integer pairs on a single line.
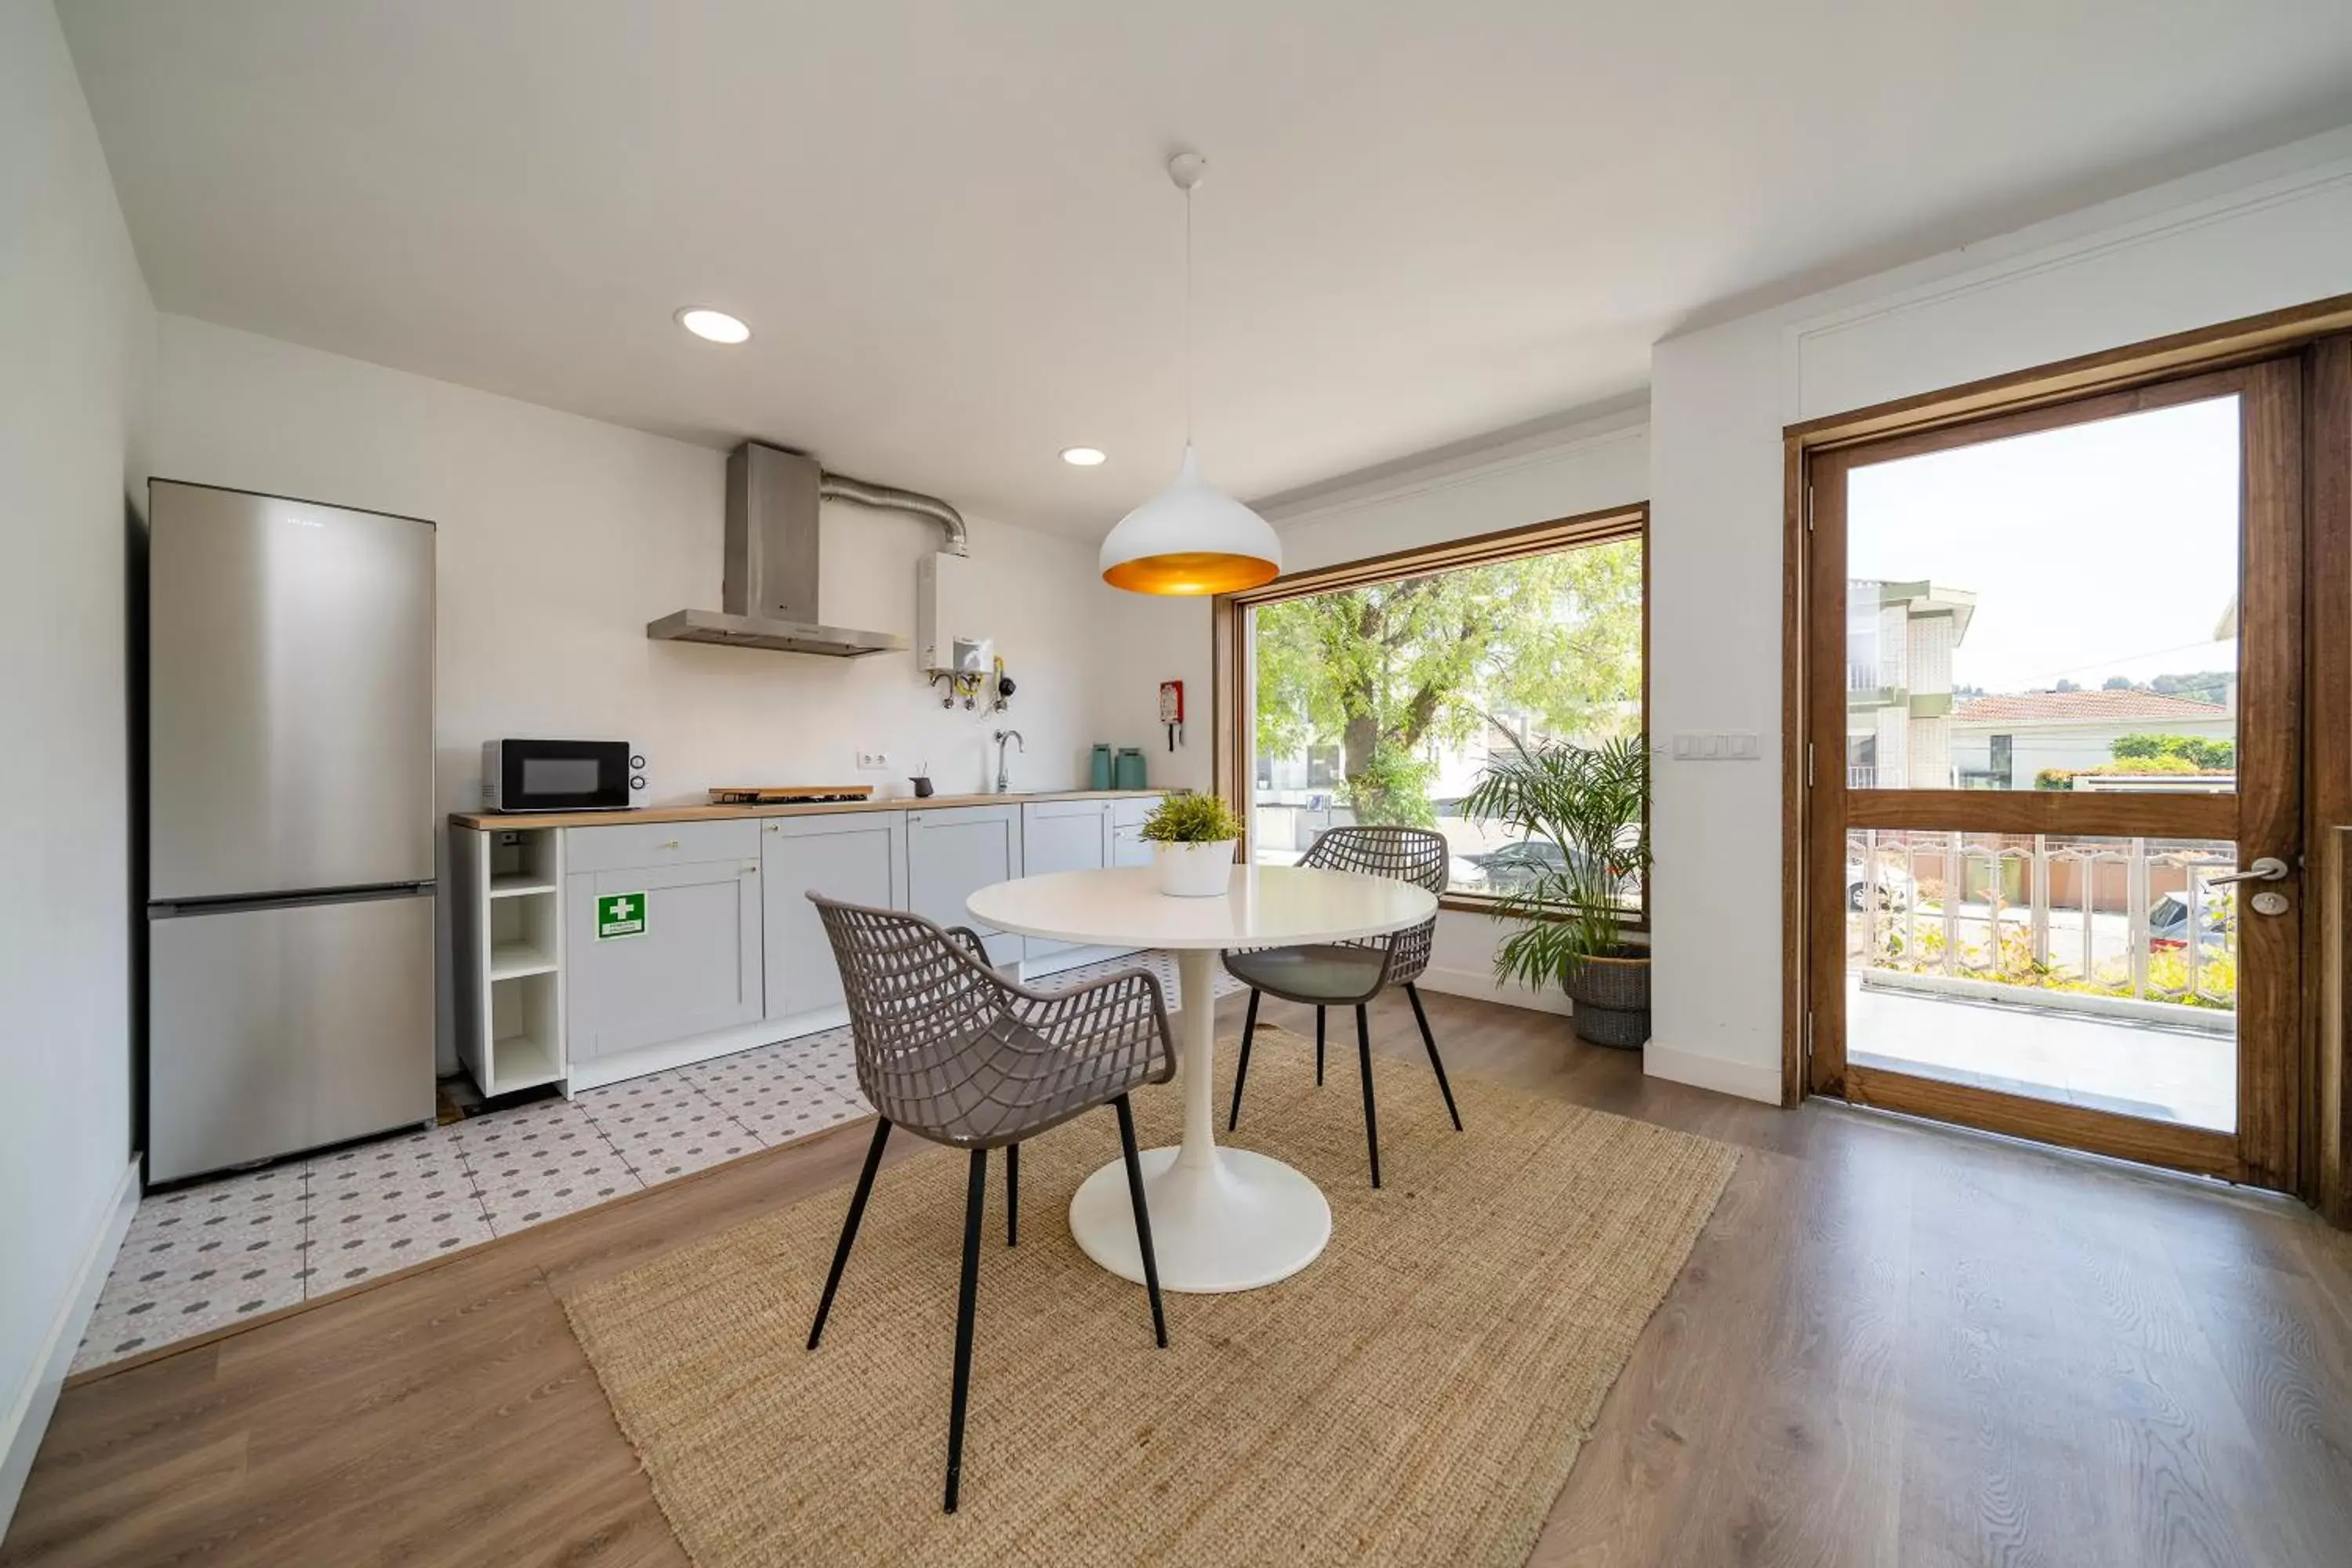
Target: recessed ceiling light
[[717, 325], [1084, 457]]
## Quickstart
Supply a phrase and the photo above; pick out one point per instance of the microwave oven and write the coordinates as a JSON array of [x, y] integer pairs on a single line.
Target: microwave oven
[[561, 775]]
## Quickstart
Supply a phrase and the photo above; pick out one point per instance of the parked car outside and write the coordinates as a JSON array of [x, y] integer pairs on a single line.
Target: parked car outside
[[2168, 922], [1515, 867], [1895, 888]]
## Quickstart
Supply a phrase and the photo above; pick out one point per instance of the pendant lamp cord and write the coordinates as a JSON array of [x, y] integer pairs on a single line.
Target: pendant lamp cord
[[1188, 315]]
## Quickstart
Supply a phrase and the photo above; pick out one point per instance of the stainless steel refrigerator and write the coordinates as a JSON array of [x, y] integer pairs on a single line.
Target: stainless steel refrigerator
[[290, 826]]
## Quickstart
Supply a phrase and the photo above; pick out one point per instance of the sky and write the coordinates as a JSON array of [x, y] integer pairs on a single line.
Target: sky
[[2095, 550]]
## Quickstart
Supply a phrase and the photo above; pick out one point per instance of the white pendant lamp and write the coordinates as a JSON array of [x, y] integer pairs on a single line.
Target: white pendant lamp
[[1192, 538]]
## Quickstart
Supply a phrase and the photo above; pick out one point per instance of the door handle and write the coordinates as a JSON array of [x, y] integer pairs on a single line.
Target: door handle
[[2266, 869]]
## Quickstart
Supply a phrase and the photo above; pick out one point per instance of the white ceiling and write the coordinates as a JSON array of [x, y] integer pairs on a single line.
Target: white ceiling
[[949, 230]]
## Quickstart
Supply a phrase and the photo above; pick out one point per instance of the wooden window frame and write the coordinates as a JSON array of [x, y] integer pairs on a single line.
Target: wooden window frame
[[1230, 698], [2320, 1170]]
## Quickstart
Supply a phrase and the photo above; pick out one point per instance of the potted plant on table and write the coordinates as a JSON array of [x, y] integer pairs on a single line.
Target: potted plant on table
[[1192, 838], [1592, 803]]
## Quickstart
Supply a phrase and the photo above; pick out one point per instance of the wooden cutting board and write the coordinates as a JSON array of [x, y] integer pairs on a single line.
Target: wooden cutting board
[[786, 795]]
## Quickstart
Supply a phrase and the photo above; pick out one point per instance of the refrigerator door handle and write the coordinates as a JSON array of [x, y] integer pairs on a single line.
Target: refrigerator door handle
[[239, 903]]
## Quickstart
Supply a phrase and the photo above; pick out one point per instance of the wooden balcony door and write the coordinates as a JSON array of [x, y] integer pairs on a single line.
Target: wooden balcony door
[[2052, 667]]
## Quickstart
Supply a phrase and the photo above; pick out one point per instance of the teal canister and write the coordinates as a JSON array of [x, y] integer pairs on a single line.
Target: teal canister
[[1130, 768], [1098, 773]]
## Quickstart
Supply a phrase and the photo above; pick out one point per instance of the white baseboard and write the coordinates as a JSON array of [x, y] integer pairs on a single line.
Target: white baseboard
[[1481, 985], [30, 1417], [1745, 1079]]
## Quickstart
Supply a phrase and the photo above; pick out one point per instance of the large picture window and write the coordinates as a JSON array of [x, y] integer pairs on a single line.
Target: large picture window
[[1376, 691]]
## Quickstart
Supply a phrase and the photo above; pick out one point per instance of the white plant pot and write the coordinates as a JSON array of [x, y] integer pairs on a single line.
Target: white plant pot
[[1195, 871]]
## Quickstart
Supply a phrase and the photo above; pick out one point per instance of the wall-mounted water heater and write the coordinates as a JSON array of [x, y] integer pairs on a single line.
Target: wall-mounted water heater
[[951, 622]]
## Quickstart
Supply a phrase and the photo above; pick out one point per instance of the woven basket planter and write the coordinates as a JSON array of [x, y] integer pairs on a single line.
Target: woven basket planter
[[1612, 998]]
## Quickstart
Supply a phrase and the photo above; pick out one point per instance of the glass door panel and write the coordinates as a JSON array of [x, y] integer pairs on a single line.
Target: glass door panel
[[2062, 967], [2056, 610]]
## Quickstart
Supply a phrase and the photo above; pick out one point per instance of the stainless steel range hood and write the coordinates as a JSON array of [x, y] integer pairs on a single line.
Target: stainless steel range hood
[[770, 586]]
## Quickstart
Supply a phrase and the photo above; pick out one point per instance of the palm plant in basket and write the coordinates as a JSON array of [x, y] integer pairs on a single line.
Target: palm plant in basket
[[1592, 805]]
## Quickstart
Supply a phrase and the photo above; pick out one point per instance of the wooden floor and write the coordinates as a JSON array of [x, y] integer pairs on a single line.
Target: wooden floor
[[1894, 1344]]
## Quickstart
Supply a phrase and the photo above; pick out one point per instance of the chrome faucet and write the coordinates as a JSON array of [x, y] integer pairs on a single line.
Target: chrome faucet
[[1005, 783]]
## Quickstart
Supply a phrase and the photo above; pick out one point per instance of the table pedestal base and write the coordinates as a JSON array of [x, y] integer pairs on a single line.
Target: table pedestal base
[[1237, 1222]]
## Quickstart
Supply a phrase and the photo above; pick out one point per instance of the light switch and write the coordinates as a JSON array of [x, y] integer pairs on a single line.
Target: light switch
[[1716, 746]]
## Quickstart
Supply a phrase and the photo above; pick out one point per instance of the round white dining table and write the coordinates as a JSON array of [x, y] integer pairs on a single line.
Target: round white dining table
[[1221, 1218]]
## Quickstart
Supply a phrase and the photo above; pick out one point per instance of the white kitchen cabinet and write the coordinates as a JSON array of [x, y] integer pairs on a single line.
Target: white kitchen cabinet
[[695, 965], [856, 857], [1062, 836], [733, 955], [952, 854], [1128, 844]]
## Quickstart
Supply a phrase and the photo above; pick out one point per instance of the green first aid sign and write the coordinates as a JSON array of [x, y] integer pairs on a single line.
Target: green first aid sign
[[620, 914]]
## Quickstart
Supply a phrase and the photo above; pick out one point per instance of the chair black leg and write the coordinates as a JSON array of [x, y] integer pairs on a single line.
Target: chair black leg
[[849, 1226], [1430, 1040], [1142, 1218], [1318, 1051], [1364, 1061], [1013, 1186], [1241, 1068], [975, 1201]]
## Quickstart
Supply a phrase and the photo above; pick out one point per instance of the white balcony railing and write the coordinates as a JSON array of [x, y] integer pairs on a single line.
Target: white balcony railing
[[2072, 919]]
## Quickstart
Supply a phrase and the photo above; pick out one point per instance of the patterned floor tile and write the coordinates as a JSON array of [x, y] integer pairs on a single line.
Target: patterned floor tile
[[339, 1259], [542, 1161], [383, 1207], [827, 1057], [665, 1126], [723, 1079], [743, 1069], [119, 1329], [199, 1258], [795, 1111], [184, 1238], [203, 1256]]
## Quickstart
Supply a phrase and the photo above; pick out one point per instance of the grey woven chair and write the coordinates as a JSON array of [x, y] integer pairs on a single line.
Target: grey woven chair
[[953, 1052], [1350, 974]]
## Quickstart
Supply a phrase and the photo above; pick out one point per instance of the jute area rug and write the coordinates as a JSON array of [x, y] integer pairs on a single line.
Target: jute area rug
[[1417, 1395]]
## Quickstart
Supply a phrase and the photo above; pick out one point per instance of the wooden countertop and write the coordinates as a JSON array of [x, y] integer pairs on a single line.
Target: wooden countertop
[[498, 819]]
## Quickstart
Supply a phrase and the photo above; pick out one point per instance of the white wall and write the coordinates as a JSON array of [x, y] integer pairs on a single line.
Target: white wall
[[561, 537], [2262, 234], [76, 336], [1138, 643]]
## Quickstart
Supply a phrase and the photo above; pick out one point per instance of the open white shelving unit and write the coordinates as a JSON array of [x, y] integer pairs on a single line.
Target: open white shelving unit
[[506, 915]]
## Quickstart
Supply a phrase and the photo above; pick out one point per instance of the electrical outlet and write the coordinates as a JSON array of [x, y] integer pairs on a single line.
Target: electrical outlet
[[873, 762]]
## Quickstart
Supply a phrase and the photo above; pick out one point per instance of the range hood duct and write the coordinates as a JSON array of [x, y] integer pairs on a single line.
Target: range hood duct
[[769, 588]]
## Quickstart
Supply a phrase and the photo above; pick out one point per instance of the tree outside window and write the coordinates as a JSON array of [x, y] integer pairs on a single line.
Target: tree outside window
[[1407, 686]]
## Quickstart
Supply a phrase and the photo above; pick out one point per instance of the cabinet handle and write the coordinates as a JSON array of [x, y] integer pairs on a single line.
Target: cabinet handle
[[671, 845], [750, 870]]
